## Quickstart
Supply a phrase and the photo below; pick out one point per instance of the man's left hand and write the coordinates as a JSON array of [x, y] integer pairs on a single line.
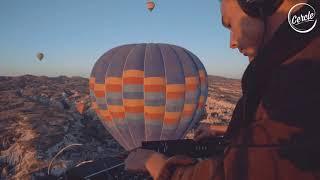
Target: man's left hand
[[137, 161]]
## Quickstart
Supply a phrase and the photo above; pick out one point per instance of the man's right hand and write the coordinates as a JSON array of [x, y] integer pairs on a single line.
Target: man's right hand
[[205, 131]]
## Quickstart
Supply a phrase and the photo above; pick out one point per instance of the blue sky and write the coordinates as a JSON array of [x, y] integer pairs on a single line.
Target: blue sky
[[73, 34]]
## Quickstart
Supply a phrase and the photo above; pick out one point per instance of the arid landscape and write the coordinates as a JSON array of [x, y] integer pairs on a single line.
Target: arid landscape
[[39, 117]]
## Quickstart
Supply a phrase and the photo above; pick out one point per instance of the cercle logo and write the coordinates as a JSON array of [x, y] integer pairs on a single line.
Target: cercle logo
[[302, 21]]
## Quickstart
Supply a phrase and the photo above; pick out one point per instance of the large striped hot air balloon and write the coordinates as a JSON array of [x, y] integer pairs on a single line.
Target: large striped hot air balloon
[[145, 92]]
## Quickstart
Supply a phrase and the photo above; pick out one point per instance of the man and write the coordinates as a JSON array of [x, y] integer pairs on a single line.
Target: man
[[274, 128]]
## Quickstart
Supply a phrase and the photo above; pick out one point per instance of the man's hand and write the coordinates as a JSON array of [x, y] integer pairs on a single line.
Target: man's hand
[[137, 159], [208, 131], [143, 160]]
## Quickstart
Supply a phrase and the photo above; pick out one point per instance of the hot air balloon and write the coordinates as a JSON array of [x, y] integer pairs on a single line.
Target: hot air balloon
[[150, 5], [80, 106], [146, 92], [40, 56]]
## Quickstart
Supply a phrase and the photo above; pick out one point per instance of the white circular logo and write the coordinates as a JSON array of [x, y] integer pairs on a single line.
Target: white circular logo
[[303, 21]]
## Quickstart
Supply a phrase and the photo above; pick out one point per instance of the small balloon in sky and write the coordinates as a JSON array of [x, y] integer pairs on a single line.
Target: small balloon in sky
[[150, 5], [40, 56]]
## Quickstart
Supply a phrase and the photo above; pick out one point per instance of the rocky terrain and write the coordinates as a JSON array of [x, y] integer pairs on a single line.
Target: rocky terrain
[[39, 117], [223, 96]]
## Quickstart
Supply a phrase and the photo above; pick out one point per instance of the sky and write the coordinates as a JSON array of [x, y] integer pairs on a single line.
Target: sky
[[73, 34]]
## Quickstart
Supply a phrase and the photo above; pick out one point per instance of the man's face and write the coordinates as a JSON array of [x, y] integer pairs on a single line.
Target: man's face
[[245, 32]]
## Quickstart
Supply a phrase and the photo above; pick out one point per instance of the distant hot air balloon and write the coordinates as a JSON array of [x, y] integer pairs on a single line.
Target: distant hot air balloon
[[80, 105], [150, 5], [40, 56], [145, 92]]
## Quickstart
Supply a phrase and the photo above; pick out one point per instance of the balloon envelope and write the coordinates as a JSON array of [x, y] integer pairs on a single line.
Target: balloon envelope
[[145, 92], [150, 5], [40, 56]]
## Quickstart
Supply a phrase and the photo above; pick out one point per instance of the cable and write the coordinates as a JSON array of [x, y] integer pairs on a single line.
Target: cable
[[118, 165], [49, 167], [104, 170], [83, 162]]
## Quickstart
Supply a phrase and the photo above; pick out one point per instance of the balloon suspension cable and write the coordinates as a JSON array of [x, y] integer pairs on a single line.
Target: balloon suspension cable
[[71, 145], [104, 170], [84, 162], [119, 155]]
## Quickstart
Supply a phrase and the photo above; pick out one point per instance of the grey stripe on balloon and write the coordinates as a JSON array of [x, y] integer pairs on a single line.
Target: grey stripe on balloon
[[114, 101], [133, 95], [133, 88], [134, 116], [114, 95], [174, 105], [154, 96], [153, 122], [154, 103], [100, 100]]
